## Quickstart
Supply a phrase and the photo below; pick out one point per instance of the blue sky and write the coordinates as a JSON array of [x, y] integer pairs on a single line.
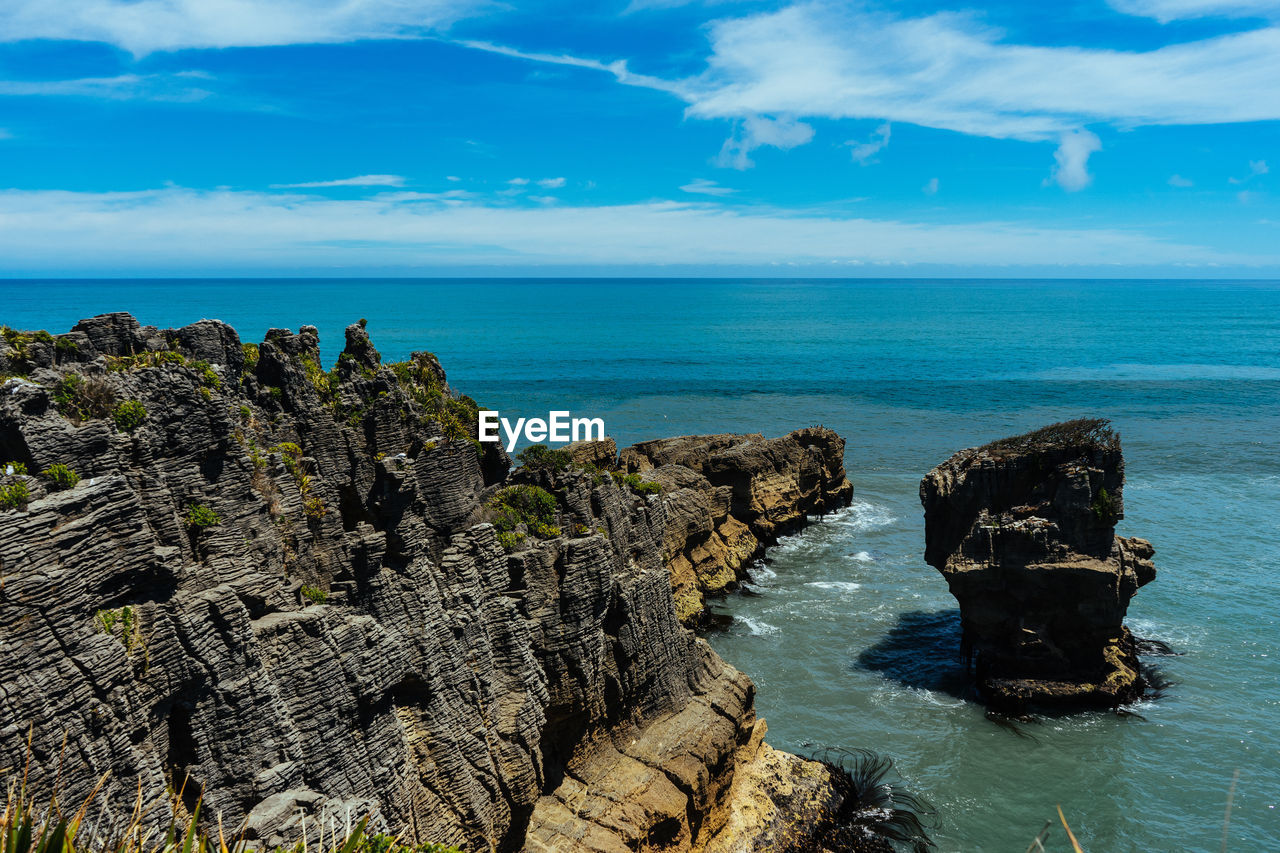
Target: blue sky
[[436, 137]]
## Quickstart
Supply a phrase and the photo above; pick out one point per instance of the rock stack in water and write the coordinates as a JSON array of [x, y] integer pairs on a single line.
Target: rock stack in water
[[1023, 530], [313, 594]]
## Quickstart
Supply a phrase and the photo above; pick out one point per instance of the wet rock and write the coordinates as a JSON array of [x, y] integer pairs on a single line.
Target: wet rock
[[1023, 530]]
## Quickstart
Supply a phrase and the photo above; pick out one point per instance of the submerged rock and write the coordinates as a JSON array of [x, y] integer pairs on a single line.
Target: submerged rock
[[293, 589], [1023, 530]]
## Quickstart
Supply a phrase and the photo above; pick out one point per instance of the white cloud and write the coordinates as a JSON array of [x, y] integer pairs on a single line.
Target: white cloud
[[358, 181], [946, 71], [182, 87], [931, 188], [551, 183], [145, 26], [1172, 10], [1256, 168], [518, 182], [701, 186], [756, 131], [454, 178], [1246, 196], [181, 229], [770, 71], [1179, 181], [1072, 159], [864, 151]]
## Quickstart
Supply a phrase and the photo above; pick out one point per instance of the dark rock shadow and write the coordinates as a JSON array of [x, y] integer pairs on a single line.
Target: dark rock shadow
[[922, 650]]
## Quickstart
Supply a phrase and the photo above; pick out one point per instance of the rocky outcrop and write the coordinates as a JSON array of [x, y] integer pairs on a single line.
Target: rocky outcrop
[[1023, 530], [286, 586], [728, 496]]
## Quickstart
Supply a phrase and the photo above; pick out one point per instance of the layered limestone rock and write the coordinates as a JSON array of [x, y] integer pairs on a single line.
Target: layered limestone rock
[[728, 496], [283, 585], [1023, 530]]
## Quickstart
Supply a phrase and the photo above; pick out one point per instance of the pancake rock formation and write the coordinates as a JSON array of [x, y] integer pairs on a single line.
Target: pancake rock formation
[[1023, 530], [312, 594], [727, 497]]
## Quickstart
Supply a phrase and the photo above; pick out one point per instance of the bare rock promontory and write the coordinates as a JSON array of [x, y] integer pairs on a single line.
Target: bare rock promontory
[[311, 593]]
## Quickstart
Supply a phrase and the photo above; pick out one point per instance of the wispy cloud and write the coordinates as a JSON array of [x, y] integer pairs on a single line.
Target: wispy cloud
[[769, 72], [357, 181], [518, 182], [1256, 168], [863, 151], [931, 187], [702, 186], [551, 183], [1173, 10], [755, 132], [176, 228], [182, 87], [146, 26], [1179, 181]]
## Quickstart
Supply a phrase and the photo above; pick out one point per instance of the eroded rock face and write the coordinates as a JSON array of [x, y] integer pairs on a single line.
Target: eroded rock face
[[728, 496], [281, 584], [1024, 532]]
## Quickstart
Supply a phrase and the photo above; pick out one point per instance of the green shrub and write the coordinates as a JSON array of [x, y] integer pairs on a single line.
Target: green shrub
[[250, 356], [637, 485], [129, 415], [199, 516], [1104, 508], [126, 363], [510, 539], [540, 457], [209, 377], [15, 496], [245, 413], [67, 346], [581, 530], [314, 594], [528, 505], [18, 468], [60, 476], [78, 399], [314, 507], [545, 531]]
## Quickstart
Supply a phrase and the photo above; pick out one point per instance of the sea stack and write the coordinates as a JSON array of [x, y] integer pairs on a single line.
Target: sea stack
[[1023, 529]]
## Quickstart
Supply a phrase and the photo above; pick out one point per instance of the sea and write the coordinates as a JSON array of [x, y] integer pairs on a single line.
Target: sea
[[850, 637]]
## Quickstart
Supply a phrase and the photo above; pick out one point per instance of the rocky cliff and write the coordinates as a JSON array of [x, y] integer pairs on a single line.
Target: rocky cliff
[[1023, 530], [312, 593], [726, 497]]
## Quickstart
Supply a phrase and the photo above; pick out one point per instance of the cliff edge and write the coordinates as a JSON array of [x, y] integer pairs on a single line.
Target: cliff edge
[[313, 593]]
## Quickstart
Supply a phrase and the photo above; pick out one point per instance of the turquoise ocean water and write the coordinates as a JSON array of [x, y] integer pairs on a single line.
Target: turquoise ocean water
[[847, 633]]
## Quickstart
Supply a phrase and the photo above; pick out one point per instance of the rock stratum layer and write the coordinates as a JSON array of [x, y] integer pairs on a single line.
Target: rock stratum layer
[[727, 497], [283, 584], [1023, 530]]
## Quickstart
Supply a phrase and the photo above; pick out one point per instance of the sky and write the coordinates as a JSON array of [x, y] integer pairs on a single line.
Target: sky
[[1083, 138]]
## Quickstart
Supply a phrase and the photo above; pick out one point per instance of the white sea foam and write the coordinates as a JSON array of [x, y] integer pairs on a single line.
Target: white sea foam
[[843, 586], [756, 627], [862, 557]]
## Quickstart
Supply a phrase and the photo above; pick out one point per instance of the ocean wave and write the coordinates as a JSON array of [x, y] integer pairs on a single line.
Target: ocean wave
[[756, 627], [1161, 372], [862, 557]]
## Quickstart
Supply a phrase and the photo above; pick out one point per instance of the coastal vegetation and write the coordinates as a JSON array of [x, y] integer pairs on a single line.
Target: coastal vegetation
[[60, 477]]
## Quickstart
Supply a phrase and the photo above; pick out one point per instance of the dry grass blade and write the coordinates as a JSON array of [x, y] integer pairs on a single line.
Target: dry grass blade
[[1226, 818], [1075, 845], [1037, 843]]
